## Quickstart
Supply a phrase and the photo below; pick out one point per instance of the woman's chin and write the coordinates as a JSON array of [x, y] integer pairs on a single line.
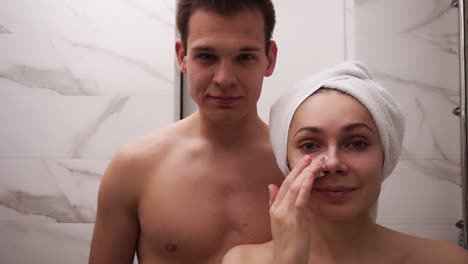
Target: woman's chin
[[340, 213]]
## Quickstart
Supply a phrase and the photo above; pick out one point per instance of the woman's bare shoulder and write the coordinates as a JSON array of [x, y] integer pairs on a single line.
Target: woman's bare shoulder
[[249, 253], [435, 251], [421, 250]]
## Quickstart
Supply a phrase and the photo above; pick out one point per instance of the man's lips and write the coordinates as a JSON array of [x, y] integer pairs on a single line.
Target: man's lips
[[224, 100]]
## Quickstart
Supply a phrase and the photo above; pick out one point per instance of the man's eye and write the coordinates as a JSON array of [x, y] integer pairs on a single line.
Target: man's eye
[[358, 145], [206, 56], [246, 57], [308, 147]]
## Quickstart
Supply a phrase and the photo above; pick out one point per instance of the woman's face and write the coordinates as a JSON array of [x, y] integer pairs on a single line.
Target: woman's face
[[339, 126]]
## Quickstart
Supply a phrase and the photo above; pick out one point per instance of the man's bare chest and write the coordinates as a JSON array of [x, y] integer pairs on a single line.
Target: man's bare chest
[[200, 212]]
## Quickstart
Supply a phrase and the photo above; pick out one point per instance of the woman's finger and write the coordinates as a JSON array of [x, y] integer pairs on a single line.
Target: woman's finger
[[306, 187], [303, 163], [310, 171], [273, 191]]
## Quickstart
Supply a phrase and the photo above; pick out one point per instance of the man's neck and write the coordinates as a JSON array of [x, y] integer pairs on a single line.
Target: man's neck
[[231, 133]]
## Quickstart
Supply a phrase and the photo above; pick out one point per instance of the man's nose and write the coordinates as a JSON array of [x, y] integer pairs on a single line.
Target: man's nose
[[225, 75]]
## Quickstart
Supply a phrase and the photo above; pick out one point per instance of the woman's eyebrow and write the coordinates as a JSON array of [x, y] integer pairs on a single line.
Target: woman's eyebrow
[[347, 128], [353, 126], [312, 129]]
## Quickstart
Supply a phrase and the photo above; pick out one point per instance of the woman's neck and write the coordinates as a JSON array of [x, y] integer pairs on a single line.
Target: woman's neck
[[344, 239]]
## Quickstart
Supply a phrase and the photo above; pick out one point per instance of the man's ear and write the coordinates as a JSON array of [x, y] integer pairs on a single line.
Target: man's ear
[[271, 58], [181, 56]]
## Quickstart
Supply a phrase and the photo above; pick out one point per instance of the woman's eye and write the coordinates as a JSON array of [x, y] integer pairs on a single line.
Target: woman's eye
[[309, 147], [358, 145]]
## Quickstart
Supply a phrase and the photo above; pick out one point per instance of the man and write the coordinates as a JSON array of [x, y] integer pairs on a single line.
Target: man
[[188, 192]]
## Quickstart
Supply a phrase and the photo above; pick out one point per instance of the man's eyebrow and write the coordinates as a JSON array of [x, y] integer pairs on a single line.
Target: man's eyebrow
[[203, 48], [211, 49], [249, 48]]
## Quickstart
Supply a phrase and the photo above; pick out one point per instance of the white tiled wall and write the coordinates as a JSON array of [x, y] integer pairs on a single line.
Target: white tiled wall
[[310, 35], [412, 49], [78, 79]]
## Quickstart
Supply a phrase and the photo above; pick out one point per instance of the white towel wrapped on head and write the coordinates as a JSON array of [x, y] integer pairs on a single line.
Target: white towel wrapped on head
[[353, 78]]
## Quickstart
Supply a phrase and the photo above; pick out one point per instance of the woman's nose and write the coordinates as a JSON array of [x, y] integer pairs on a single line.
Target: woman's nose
[[334, 163]]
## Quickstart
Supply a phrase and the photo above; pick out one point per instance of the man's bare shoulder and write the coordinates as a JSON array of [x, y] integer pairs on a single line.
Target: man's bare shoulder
[[152, 146], [249, 253], [133, 162]]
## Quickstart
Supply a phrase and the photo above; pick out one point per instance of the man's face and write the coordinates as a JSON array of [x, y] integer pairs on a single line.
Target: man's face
[[225, 63]]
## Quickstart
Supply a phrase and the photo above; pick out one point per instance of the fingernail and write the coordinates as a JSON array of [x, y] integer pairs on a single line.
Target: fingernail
[[324, 161], [320, 174]]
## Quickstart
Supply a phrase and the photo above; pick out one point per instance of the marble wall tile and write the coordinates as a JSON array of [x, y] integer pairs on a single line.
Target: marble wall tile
[[87, 64], [422, 192], [77, 126], [432, 131], [299, 55], [78, 79], [50, 191], [58, 16], [24, 243], [416, 58], [412, 49]]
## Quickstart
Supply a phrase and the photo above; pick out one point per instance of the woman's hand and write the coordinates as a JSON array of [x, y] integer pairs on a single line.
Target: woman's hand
[[289, 212]]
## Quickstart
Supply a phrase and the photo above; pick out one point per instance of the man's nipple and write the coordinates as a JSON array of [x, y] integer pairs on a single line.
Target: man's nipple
[[170, 247]]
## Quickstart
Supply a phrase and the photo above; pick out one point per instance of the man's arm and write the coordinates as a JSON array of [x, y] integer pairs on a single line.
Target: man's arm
[[116, 229]]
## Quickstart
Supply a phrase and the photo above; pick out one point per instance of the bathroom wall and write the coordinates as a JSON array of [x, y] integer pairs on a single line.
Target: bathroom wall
[[412, 48], [78, 79], [310, 35]]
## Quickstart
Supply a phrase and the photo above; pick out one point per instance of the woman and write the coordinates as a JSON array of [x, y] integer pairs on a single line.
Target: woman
[[342, 133]]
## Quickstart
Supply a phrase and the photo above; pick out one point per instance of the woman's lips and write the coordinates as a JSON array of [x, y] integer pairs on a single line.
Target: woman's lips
[[334, 188], [335, 192]]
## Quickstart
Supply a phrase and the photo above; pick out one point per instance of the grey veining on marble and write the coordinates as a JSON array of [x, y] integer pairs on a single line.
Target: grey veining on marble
[[80, 142], [122, 58], [425, 192], [447, 43], [412, 49], [358, 3], [444, 93], [447, 170], [430, 18], [153, 15], [67, 192], [4, 30], [58, 81], [57, 208]]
